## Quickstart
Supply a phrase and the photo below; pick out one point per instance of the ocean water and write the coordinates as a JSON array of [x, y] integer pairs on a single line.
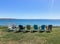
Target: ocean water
[[54, 22]]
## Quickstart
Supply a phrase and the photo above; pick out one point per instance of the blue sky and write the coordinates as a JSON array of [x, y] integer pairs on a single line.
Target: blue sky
[[30, 9]]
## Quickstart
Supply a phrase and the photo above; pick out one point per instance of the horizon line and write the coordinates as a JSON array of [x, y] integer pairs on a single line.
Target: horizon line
[[30, 18]]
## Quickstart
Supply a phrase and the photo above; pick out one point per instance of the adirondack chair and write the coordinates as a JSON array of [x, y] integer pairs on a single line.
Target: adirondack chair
[[28, 28], [42, 29], [35, 28], [11, 27], [21, 28], [49, 28]]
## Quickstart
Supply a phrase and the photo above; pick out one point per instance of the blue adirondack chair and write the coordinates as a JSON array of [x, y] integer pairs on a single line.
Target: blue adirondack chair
[[21, 28], [35, 28], [42, 28]]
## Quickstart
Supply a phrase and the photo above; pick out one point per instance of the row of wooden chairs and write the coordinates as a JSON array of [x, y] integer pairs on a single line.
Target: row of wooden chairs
[[34, 28]]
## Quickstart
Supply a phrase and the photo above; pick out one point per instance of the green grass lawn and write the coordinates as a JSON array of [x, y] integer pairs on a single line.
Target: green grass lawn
[[29, 38]]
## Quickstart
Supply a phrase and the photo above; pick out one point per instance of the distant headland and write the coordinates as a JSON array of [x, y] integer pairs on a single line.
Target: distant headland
[[26, 19]]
